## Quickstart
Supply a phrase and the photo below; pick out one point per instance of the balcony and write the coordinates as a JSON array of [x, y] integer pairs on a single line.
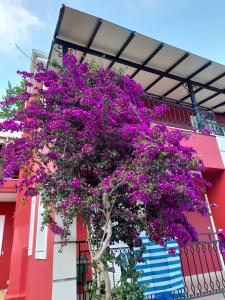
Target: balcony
[[184, 117]]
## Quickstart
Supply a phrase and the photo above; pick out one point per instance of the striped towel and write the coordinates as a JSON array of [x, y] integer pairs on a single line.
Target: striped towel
[[161, 271]]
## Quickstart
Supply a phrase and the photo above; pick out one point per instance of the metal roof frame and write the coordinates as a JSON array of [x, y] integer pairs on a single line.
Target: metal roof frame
[[125, 62], [148, 59], [92, 38], [168, 70], [124, 46], [117, 58]]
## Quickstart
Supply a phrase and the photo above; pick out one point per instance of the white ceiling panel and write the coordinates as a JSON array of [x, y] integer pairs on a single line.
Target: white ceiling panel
[[140, 48], [188, 100], [127, 70], [178, 93], [110, 38], [99, 61], [189, 66], [165, 58], [209, 73], [163, 86], [77, 26], [214, 101], [219, 83], [203, 94], [145, 78], [220, 109]]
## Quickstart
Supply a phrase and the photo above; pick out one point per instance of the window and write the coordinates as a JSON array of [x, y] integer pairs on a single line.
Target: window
[[42, 233], [31, 233], [2, 223]]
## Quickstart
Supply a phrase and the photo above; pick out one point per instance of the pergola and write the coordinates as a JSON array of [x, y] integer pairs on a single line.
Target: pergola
[[164, 71]]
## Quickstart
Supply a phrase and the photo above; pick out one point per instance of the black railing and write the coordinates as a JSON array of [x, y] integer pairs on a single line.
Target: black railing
[[202, 269], [184, 116], [84, 275]]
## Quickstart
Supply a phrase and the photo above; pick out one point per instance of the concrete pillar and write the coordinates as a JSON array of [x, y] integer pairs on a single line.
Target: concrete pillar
[[65, 268]]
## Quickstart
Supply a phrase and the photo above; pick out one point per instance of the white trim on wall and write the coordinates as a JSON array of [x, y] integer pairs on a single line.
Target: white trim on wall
[[31, 232], [2, 224], [42, 235], [65, 266]]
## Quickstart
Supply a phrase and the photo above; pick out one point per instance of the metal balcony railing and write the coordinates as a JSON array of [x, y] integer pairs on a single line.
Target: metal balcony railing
[[184, 117], [202, 270]]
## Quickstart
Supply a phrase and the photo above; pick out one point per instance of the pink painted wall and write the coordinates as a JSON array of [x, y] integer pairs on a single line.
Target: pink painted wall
[[201, 223], [30, 279], [198, 259], [9, 186], [216, 194], [207, 148], [39, 280]]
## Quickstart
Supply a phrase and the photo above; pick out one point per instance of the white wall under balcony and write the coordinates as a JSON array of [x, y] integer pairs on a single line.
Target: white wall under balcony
[[7, 197], [221, 145], [64, 268]]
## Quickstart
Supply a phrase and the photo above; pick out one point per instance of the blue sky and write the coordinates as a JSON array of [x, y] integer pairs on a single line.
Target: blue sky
[[197, 26]]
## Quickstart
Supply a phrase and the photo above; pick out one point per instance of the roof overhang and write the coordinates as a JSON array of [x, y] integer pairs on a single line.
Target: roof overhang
[[161, 69]]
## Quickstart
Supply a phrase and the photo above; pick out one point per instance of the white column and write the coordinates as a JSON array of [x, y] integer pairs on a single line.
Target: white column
[[41, 234], [65, 268], [31, 231]]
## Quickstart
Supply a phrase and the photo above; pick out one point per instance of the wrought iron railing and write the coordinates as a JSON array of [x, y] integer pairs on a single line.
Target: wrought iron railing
[[202, 267], [184, 116]]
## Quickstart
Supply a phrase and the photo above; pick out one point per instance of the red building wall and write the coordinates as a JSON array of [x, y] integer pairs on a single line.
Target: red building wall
[[216, 194], [40, 270], [207, 148], [30, 279]]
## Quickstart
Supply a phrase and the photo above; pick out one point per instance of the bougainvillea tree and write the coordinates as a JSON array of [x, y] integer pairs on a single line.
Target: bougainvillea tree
[[91, 147]]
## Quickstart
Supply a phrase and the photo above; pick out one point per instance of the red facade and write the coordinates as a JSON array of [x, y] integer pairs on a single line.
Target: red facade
[[32, 279], [31, 267]]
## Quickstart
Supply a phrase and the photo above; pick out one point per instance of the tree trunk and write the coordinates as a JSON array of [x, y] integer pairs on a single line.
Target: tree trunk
[[96, 257], [108, 292]]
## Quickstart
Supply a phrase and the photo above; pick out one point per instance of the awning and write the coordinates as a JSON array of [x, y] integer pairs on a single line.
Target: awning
[[161, 69]]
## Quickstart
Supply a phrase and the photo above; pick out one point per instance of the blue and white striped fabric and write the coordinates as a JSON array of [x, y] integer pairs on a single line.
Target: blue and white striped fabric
[[161, 271]]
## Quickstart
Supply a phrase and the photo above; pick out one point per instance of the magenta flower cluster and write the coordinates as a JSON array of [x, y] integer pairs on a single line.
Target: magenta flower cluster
[[90, 137]]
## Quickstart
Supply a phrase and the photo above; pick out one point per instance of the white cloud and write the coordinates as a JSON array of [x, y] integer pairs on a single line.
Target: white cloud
[[16, 24]]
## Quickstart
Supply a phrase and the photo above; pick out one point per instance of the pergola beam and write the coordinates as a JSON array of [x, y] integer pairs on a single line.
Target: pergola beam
[[188, 78], [167, 71], [207, 84], [127, 42], [148, 59], [91, 39], [136, 66], [208, 98], [218, 105], [196, 107]]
